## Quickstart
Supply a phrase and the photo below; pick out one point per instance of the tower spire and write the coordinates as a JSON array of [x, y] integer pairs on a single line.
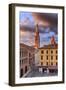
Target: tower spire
[[36, 28], [37, 37]]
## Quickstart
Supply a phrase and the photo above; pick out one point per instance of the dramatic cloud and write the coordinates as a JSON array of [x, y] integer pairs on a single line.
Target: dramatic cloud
[[47, 27], [44, 20], [48, 19], [27, 38]]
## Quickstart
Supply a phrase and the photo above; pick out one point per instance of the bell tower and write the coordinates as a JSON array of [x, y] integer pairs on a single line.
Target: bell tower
[[52, 40], [37, 37]]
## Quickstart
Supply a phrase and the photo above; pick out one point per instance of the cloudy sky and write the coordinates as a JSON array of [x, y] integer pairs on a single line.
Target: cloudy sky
[[47, 26]]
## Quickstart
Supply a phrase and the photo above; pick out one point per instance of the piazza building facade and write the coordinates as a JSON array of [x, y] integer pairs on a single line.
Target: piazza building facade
[[26, 59], [48, 57]]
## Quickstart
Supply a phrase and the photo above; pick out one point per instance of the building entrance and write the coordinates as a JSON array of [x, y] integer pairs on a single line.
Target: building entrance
[[21, 72]]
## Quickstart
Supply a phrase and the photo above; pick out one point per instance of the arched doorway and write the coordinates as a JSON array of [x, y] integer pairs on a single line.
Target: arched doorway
[[21, 72], [25, 69]]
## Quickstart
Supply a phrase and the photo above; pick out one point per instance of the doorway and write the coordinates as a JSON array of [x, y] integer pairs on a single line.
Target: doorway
[[21, 73], [25, 69]]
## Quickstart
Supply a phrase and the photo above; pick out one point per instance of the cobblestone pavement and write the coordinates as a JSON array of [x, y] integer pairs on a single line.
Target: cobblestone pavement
[[36, 73]]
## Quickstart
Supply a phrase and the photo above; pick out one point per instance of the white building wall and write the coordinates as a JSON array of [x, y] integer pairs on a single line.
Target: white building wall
[[37, 58]]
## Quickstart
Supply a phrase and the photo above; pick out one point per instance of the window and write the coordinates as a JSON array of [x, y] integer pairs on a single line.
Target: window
[[47, 57], [21, 73], [56, 52], [20, 53], [20, 62], [51, 57], [51, 63], [41, 63], [25, 60], [47, 51], [46, 63], [42, 51], [29, 55], [51, 51], [56, 57], [56, 63], [41, 57], [25, 69]]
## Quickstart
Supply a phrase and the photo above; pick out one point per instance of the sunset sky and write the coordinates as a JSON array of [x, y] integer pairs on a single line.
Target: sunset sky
[[47, 26]]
